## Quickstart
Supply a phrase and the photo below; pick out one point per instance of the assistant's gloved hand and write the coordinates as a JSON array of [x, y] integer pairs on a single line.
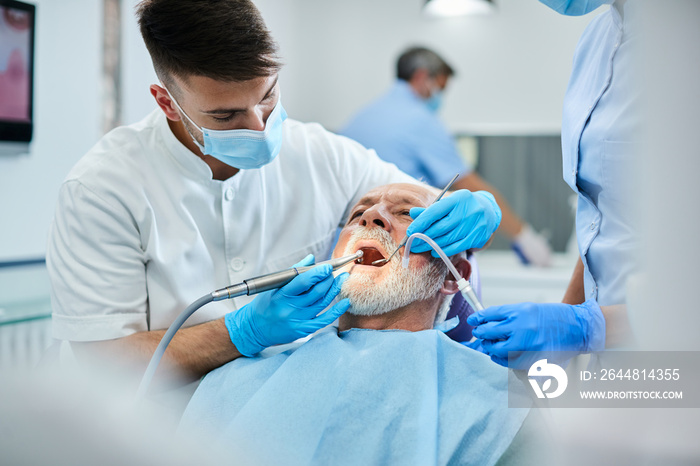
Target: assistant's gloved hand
[[460, 221], [283, 315], [532, 247], [538, 327]]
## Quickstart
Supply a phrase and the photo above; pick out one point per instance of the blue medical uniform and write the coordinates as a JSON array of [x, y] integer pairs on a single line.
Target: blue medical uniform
[[403, 131], [601, 118]]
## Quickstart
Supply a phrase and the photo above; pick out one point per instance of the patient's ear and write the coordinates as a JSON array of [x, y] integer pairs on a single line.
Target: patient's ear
[[464, 268]]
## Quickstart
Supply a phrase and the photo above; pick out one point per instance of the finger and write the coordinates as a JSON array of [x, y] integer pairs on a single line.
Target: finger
[[490, 314], [497, 348], [418, 246], [463, 245], [309, 300], [447, 242], [307, 280], [449, 233], [332, 314], [497, 330], [456, 241], [475, 345], [320, 298], [476, 238], [452, 224], [433, 213], [414, 212], [333, 291], [475, 319], [306, 261]]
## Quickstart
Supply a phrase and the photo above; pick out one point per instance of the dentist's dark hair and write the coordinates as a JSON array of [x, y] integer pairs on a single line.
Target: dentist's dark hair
[[416, 58], [226, 40]]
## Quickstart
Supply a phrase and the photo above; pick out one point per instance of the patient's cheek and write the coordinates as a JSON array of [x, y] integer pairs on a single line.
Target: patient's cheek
[[357, 283]]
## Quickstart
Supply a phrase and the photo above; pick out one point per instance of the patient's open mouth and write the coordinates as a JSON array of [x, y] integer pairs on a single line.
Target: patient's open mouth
[[370, 255]]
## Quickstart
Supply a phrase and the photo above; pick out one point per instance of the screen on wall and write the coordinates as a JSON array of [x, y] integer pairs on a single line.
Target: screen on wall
[[16, 70]]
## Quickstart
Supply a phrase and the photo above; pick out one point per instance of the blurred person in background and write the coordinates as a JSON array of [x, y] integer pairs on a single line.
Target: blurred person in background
[[402, 126]]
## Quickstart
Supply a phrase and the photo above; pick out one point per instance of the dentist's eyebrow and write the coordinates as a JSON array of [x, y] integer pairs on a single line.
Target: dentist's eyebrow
[[228, 111]]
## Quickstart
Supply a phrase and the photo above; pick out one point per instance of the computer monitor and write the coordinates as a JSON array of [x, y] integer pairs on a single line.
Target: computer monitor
[[17, 20]]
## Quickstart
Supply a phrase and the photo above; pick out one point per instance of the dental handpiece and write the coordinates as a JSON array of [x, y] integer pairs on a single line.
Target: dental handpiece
[[251, 286], [276, 280]]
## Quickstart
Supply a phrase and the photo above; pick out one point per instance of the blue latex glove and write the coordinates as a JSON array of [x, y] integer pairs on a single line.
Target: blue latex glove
[[460, 221], [283, 315], [538, 327]]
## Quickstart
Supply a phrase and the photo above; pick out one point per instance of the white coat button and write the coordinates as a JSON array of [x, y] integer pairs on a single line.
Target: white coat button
[[593, 226], [237, 264], [228, 195]]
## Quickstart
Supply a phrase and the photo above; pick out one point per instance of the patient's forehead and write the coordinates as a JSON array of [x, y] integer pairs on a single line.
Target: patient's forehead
[[400, 193]]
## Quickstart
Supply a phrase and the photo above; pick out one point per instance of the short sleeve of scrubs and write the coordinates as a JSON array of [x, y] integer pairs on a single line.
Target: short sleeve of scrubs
[[96, 262]]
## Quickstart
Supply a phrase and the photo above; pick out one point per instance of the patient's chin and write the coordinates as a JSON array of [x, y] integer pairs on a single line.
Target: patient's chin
[[366, 297], [374, 293]]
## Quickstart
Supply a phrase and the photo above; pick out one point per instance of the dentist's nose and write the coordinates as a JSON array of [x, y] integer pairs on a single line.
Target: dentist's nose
[[256, 120]]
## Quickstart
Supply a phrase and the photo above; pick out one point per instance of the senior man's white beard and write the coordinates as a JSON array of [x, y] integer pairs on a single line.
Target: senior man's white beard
[[401, 287]]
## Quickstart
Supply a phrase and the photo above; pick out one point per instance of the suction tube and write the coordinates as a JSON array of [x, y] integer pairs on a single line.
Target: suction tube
[[463, 285], [249, 287]]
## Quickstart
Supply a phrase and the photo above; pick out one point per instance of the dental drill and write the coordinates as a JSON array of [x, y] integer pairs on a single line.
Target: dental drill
[[251, 286], [464, 286]]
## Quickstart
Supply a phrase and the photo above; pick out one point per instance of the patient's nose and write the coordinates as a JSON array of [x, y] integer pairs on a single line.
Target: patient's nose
[[375, 216]]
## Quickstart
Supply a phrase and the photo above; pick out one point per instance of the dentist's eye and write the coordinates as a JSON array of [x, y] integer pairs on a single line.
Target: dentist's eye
[[223, 119]]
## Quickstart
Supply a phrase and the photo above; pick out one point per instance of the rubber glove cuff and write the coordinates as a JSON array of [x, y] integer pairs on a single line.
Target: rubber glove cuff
[[240, 333], [590, 318], [532, 247]]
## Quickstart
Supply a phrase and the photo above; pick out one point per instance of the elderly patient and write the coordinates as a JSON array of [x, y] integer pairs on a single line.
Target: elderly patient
[[382, 388]]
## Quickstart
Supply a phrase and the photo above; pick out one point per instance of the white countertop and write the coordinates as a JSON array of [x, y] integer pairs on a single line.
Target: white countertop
[[505, 280]]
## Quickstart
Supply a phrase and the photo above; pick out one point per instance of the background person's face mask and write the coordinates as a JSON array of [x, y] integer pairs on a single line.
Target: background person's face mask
[[243, 148], [575, 7], [434, 101]]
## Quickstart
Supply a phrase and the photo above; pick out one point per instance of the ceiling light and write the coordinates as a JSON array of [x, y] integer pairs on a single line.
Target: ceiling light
[[447, 8]]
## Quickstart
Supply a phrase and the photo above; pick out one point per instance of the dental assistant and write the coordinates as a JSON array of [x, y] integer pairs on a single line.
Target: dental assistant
[[215, 186], [601, 119]]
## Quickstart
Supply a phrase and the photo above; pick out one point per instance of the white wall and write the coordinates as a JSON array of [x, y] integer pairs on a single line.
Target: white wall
[[512, 73], [137, 71], [67, 122], [512, 66]]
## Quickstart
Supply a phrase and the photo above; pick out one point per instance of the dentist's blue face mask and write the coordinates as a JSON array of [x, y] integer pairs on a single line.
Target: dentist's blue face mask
[[243, 148], [575, 7]]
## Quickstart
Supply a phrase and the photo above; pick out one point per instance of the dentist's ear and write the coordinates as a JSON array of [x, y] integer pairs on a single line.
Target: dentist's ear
[[164, 102], [465, 270]]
